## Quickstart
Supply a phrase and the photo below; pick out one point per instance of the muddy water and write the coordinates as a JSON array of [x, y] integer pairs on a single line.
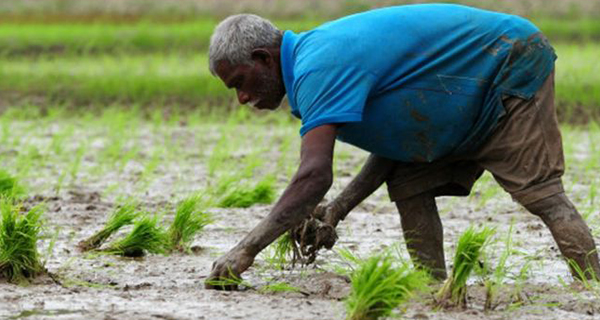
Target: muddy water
[[88, 286]]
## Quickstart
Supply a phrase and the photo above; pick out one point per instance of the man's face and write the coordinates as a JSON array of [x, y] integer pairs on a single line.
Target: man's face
[[259, 85]]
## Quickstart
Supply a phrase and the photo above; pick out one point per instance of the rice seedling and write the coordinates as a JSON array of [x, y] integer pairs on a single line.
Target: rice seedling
[[281, 287], [232, 281], [189, 220], [378, 287], [282, 251], [263, 192], [146, 236], [19, 256], [468, 251], [122, 216], [493, 280], [9, 186]]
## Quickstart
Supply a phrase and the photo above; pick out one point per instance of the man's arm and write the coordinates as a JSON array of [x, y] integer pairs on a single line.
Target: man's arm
[[373, 174], [307, 188]]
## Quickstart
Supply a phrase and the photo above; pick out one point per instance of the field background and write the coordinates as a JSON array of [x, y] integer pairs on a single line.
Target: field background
[[106, 100]]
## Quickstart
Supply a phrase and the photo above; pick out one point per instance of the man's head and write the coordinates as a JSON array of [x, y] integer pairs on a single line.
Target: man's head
[[244, 53]]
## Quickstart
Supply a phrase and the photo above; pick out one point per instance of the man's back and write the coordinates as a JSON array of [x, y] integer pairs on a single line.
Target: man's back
[[412, 83]]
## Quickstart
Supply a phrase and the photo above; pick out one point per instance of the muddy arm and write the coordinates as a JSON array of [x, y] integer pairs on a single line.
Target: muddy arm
[[308, 187], [372, 175]]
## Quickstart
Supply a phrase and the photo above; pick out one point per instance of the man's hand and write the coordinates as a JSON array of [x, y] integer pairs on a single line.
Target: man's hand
[[305, 191], [316, 232], [226, 271]]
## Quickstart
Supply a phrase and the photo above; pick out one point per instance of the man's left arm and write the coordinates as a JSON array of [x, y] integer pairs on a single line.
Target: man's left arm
[[307, 188]]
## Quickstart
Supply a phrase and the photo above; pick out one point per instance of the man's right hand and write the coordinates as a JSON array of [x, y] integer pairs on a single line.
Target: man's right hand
[[226, 271]]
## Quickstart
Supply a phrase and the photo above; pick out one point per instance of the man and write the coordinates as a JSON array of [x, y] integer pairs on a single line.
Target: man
[[437, 93]]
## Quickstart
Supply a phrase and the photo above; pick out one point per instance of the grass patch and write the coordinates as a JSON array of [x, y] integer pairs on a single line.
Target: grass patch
[[189, 220], [378, 287], [120, 217], [239, 197], [19, 233], [147, 236], [279, 287], [468, 250], [9, 186]]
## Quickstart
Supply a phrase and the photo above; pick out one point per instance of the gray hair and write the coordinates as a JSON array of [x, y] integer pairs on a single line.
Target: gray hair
[[236, 36]]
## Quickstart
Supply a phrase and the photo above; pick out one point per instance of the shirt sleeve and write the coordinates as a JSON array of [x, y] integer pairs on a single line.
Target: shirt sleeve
[[332, 95]]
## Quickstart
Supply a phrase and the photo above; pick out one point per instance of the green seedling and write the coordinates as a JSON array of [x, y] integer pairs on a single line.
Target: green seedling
[[122, 216], [232, 281], [468, 251], [19, 256], [280, 287], [9, 186], [378, 287], [263, 192], [146, 236], [283, 249], [189, 220], [494, 280]]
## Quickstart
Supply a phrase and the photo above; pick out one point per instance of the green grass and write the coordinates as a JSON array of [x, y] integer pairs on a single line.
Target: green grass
[[140, 37], [378, 287], [147, 236], [468, 251], [120, 217], [9, 186], [189, 221], [179, 78], [240, 197], [69, 38], [19, 233], [155, 79], [578, 82], [279, 287]]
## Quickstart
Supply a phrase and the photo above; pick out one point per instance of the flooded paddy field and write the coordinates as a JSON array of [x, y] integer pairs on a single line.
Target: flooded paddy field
[[79, 168]]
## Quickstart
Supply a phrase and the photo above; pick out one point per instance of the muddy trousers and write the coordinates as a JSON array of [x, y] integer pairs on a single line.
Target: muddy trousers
[[571, 234], [423, 233]]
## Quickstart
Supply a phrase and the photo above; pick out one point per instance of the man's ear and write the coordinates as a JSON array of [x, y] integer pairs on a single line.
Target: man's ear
[[262, 55]]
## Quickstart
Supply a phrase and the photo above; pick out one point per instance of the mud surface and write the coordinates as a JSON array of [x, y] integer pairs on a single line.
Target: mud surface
[[89, 286]]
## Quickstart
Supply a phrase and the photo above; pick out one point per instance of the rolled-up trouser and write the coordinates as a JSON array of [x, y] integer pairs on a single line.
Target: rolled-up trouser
[[524, 154]]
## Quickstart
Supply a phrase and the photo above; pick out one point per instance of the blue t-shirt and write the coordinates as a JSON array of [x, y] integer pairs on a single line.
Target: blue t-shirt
[[413, 83]]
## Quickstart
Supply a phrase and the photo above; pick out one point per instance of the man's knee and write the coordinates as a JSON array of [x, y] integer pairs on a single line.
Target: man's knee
[[424, 202]]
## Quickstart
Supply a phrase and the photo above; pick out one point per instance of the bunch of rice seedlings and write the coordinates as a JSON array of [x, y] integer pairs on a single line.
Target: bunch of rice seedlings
[[122, 216], [9, 187], [263, 192], [494, 280], [378, 287], [19, 257], [283, 249], [188, 222], [146, 236], [468, 250]]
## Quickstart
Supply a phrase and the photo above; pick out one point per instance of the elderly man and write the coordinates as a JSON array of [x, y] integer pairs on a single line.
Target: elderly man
[[436, 93]]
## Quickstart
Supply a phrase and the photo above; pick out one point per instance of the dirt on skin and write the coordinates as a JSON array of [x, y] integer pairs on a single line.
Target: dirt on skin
[[96, 286]]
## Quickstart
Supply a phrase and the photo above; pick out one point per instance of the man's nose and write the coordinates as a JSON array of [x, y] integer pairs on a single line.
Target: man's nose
[[243, 97]]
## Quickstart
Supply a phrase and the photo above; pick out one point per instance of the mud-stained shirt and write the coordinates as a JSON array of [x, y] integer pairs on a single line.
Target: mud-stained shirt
[[413, 83]]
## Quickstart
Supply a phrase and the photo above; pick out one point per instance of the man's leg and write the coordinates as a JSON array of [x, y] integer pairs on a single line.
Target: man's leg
[[423, 233], [525, 156], [570, 233]]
